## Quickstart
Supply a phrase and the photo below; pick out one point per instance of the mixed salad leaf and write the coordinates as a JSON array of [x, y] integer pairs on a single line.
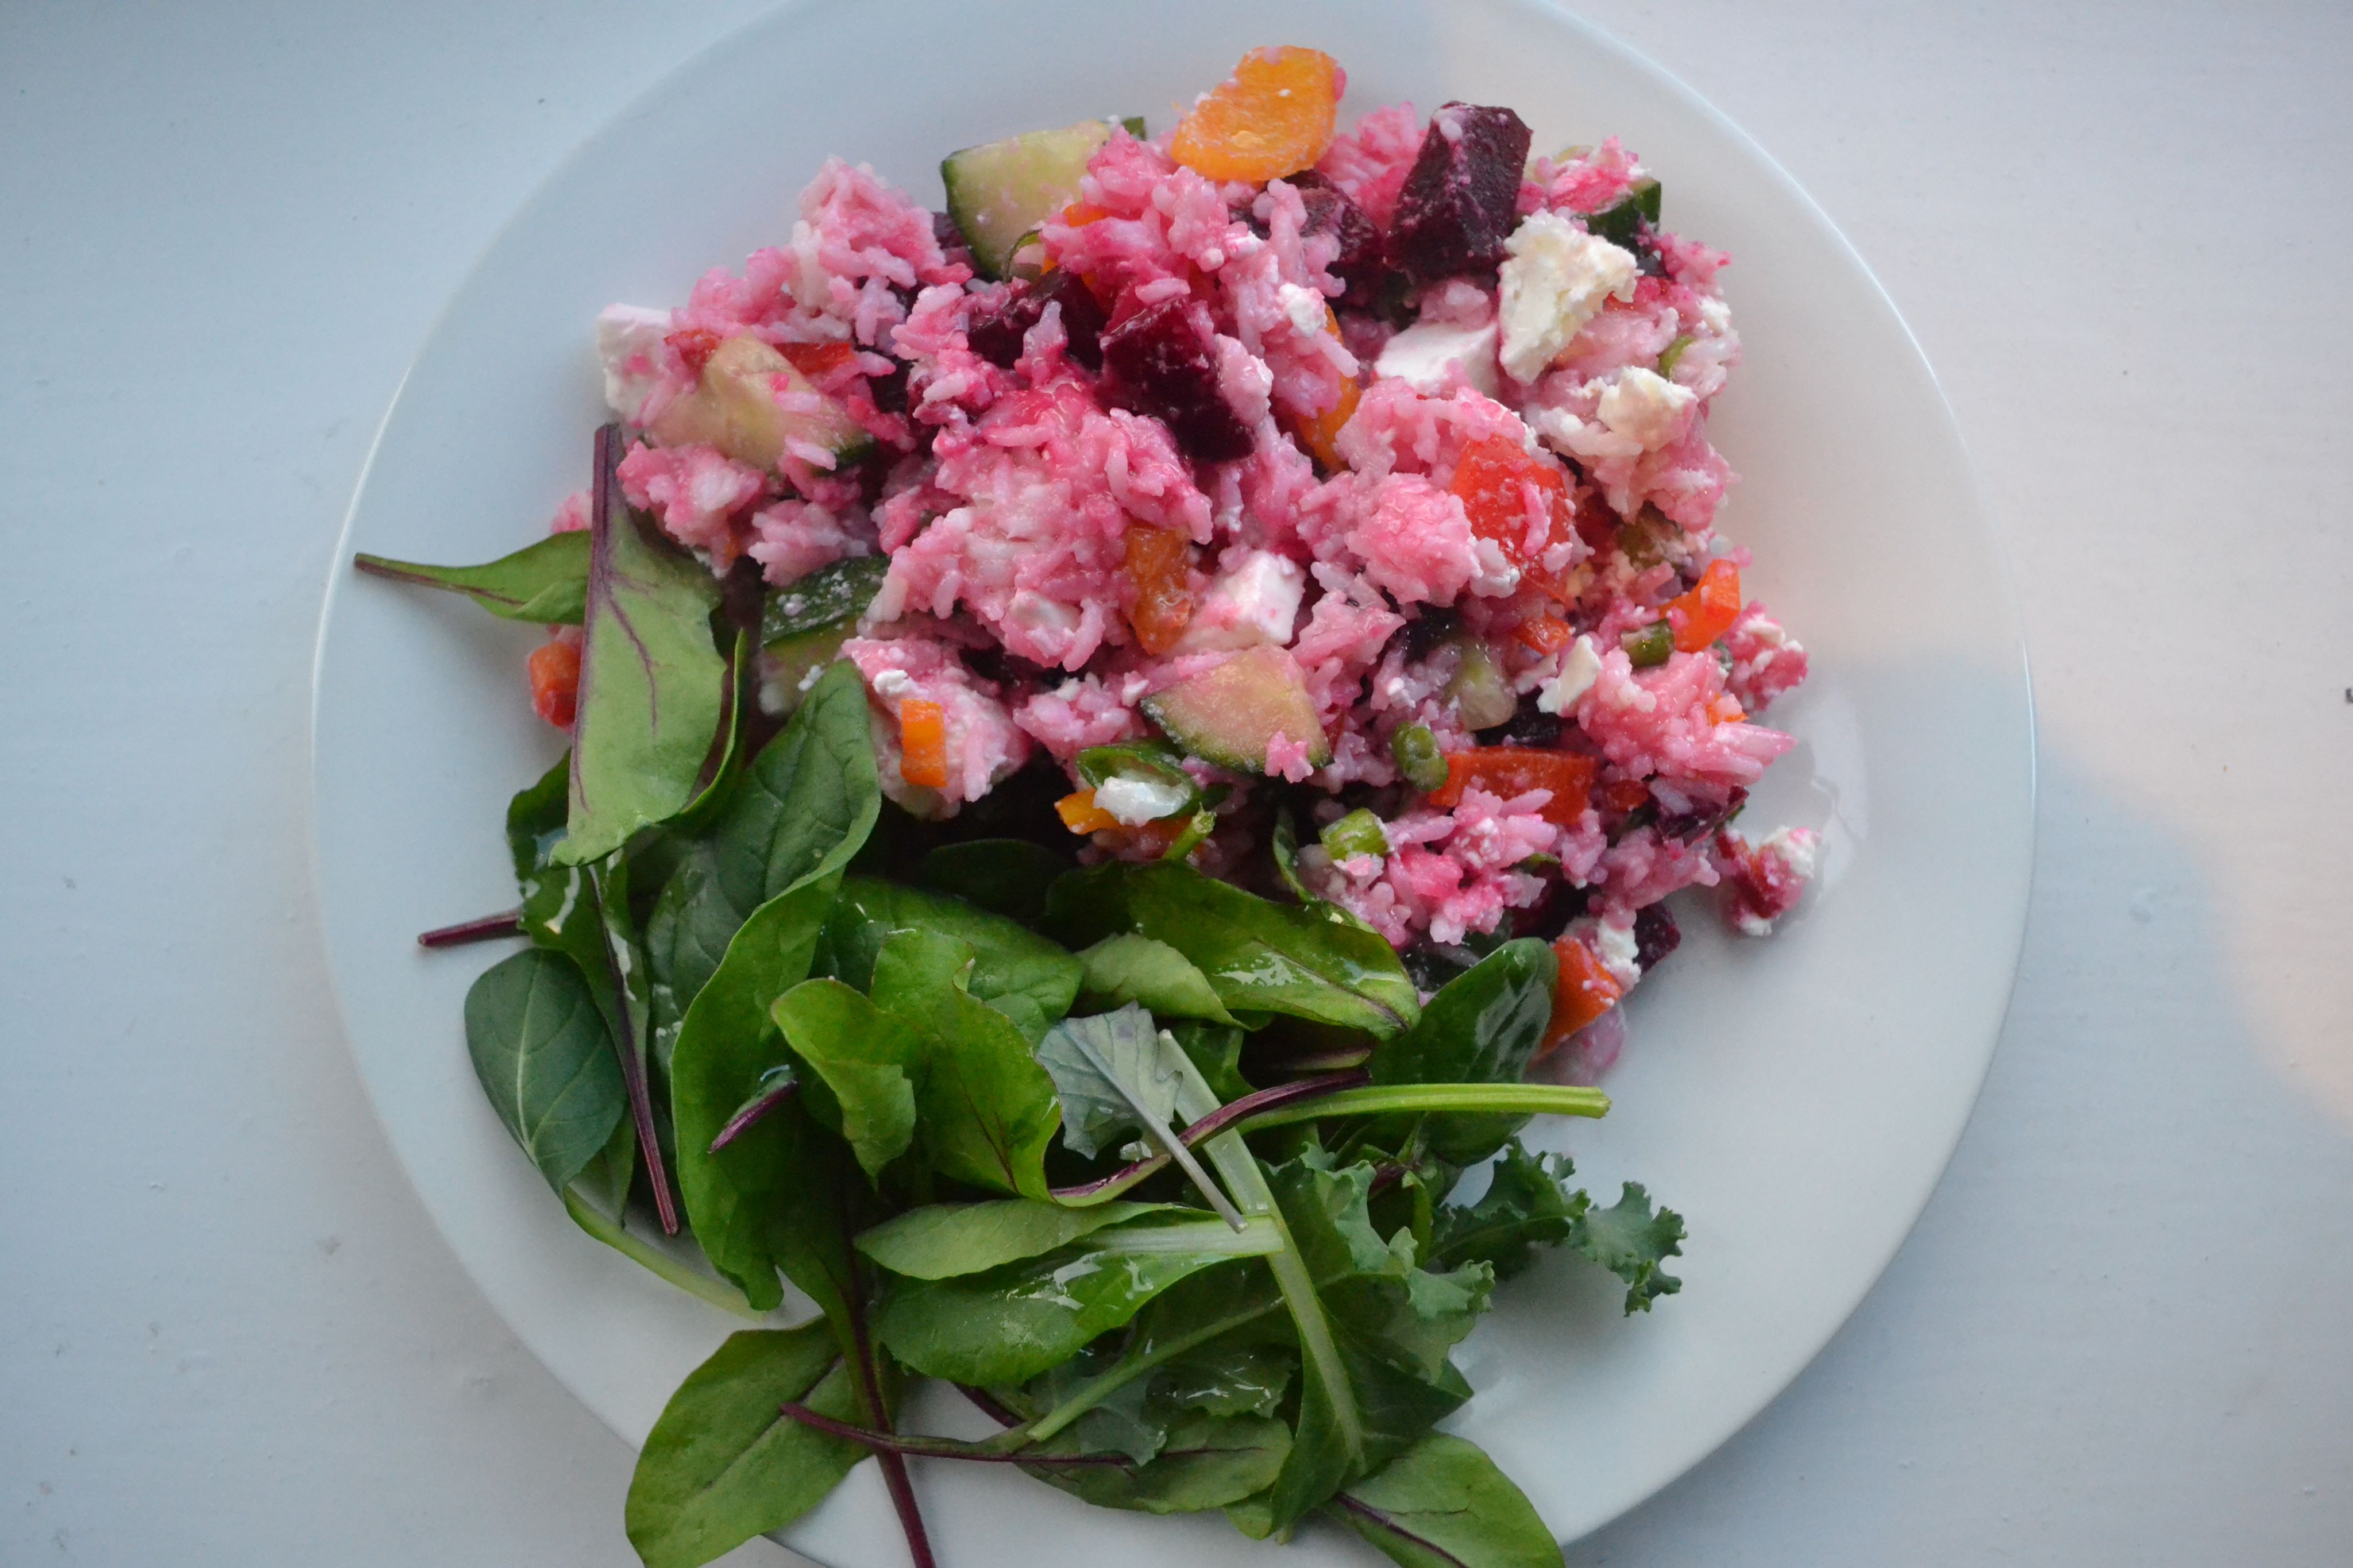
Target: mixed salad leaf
[[1044, 1131]]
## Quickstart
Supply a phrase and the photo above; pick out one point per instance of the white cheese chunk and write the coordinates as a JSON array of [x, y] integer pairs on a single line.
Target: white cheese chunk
[[1304, 306], [1614, 945], [1420, 354], [629, 345], [1579, 668], [1135, 801], [1645, 407], [1254, 600], [1555, 277]]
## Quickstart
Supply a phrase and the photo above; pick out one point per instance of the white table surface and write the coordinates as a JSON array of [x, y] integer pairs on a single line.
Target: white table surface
[[2121, 1332]]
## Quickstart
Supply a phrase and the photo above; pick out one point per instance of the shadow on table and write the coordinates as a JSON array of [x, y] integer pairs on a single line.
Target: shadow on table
[[2121, 1318]]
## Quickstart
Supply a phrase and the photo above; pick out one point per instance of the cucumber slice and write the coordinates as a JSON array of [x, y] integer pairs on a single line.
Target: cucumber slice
[[1000, 192], [802, 628], [786, 663], [1229, 714], [733, 408], [1622, 225]]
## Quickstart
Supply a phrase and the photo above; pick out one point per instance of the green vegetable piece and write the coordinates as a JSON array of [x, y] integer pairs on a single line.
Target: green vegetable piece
[[940, 1241], [1480, 693], [864, 1056], [786, 665], [1647, 645], [1028, 978], [803, 810], [1209, 1461], [1116, 1076], [1010, 1323], [1622, 224], [1008, 877], [559, 903], [1155, 759], [1229, 1380], [1418, 756], [1001, 191], [1269, 957], [1672, 353], [1230, 713], [1216, 1052], [1443, 1503], [653, 686], [541, 1048], [1358, 833], [723, 1463], [1482, 1026], [1131, 968], [1528, 1204], [828, 599], [1633, 1242], [546, 582], [988, 1111]]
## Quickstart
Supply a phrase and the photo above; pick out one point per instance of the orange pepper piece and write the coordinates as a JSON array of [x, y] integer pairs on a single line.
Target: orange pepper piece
[[1508, 771], [1622, 795], [1545, 635], [1708, 612], [1080, 815], [1160, 568], [1726, 710], [924, 742], [1585, 991], [1274, 116], [814, 360], [1489, 480], [555, 681], [1320, 434]]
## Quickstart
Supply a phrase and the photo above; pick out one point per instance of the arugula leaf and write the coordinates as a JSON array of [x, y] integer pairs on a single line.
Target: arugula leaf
[[652, 682], [559, 903], [1024, 977], [812, 790], [1631, 1242], [1391, 1326], [1010, 1323], [1484, 1026], [722, 1464], [826, 598], [866, 1057], [987, 1110], [806, 808], [1443, 1503], [545, 583], [1132, 968], [1009, 877], [1528, 1204], [1263, 956], [541, 1048], [940, 1241], [1206, 1461]]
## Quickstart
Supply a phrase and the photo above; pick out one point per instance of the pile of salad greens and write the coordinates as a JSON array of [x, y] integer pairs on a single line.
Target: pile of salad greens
[[1156, 1171]]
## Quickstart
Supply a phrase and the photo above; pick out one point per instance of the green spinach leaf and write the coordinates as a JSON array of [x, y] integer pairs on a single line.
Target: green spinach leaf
[[653, 685], [1206, 1461], [723, 1463], [867, 1059], [1132, 968], [546, 582], [1025, 977], [546, 1062], [1482, 1027], [940, 1241], [1010, 1323], [1442, 1503]]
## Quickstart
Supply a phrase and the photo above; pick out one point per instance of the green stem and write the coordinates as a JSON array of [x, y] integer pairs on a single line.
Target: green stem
[[1490, 1097], [1101, 1387], [718, 1292]]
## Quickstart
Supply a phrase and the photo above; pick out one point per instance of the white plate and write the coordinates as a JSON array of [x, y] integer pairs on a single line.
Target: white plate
[[1796, 1098]]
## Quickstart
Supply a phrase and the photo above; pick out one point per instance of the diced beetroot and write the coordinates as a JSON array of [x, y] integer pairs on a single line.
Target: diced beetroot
[[1163, 361], [1330, 210], [1656, 935], [998, 337], [1702, 819], [1461, 199]]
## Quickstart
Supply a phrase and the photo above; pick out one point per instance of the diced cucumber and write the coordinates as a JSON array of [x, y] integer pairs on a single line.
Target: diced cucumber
[[1622, 224], [786, 663], [1000, 192], [1481, 695], [733, 408], [1228, 715], [829, 596]]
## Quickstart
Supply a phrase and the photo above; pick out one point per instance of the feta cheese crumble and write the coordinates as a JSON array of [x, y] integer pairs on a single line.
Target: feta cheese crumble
[[1555, 277], [1420, 354], [1134, 801]]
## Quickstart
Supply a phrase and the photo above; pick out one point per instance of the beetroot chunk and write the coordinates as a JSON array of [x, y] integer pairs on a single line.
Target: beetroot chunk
[[1163, 361], [998, 337], [1330, 210], [1461, 199]]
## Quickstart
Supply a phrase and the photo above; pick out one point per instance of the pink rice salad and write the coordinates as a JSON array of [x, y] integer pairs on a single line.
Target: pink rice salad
[[1449, 504]]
